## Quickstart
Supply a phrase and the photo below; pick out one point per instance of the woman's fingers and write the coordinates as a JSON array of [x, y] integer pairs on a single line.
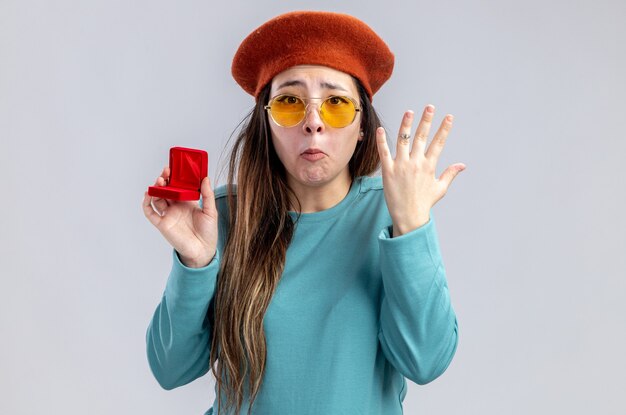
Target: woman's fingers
[[404, 150], [163, 179], [208, 198], [383, 149], [404, 136], [450, 173], [157, 204], [423, 129], [160, 181], [165, 174], [160, 205], [148, 210], [154, 207], [436, 146]]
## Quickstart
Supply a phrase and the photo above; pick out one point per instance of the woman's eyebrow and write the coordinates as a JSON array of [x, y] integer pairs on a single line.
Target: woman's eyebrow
[[328, 85], [290, 83], [297, 82]]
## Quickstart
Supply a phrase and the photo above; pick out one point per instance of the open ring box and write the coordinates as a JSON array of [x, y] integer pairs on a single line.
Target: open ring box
[[188, 167]]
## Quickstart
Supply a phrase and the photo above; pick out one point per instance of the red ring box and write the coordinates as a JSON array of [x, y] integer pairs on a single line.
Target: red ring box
[[188, 167]]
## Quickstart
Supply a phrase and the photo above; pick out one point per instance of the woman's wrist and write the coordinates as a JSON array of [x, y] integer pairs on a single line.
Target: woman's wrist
[[419, 221], [196, 262]]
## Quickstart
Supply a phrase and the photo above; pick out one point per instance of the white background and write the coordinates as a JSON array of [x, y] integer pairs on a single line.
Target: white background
[[94, 93]]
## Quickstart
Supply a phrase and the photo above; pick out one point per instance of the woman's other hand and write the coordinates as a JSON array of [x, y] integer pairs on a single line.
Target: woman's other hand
[[191, 230], [410, 185]]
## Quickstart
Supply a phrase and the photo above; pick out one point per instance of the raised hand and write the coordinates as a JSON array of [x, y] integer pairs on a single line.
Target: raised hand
[[410, 185], [190, 230]]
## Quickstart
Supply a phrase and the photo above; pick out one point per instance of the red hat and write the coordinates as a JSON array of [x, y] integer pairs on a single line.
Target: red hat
[[336, 40]]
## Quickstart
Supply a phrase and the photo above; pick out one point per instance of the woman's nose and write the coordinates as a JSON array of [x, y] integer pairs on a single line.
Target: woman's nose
[[312, 120]]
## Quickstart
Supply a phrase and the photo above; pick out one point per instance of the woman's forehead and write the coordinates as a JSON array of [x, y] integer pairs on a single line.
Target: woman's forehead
[[314, 76]]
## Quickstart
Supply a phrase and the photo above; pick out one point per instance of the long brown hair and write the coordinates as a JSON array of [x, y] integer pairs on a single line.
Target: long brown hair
[[254, 256]]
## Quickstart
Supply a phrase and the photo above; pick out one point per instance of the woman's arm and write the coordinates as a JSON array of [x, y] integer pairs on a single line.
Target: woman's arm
[[178, 339], [418, 327], [179, 335]]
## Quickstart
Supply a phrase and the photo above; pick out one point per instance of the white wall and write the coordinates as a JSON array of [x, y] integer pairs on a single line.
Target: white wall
[[94, 93]]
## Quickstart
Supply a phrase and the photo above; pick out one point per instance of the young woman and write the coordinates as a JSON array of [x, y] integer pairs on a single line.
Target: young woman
[[307, 286]]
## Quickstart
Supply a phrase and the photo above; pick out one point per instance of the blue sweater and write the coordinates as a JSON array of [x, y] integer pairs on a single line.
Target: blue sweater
[[354, 314]]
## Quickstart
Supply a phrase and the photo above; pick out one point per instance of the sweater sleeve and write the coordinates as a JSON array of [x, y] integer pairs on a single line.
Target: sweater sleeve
[[178, 339], [418, 327]]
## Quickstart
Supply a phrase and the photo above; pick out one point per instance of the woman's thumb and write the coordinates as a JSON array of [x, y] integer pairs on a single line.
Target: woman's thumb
[[207, 203]]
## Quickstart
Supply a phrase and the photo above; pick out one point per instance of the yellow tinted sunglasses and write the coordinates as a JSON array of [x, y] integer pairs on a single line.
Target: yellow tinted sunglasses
[[289, 110]]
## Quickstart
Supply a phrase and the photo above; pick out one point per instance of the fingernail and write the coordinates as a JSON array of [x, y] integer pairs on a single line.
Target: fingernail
[[450, 118], [430, 109]]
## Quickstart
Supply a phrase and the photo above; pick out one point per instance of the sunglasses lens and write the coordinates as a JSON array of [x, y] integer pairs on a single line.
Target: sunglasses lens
[[287, 110], [338, 112]]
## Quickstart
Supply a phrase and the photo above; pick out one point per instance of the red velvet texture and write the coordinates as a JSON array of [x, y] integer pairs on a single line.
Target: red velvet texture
[[336, 40], [188, 167]]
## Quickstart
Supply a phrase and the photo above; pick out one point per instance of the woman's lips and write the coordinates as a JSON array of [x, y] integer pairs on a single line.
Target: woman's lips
[[312, 155]]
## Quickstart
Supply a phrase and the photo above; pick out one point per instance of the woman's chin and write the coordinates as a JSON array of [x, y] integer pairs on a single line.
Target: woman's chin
[[313, 177], [314, 181], [316, 177]]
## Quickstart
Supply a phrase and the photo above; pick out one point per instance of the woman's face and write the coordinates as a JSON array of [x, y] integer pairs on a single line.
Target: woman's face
[[295, 145]]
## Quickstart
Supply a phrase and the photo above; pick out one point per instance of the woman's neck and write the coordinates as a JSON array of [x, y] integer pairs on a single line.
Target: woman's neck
[[318, 198]]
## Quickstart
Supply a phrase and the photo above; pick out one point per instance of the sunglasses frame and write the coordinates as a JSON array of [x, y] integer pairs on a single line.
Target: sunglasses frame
[[306, 106]]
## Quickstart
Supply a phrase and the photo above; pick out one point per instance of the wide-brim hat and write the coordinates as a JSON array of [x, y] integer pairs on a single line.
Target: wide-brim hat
[[336, 40]]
